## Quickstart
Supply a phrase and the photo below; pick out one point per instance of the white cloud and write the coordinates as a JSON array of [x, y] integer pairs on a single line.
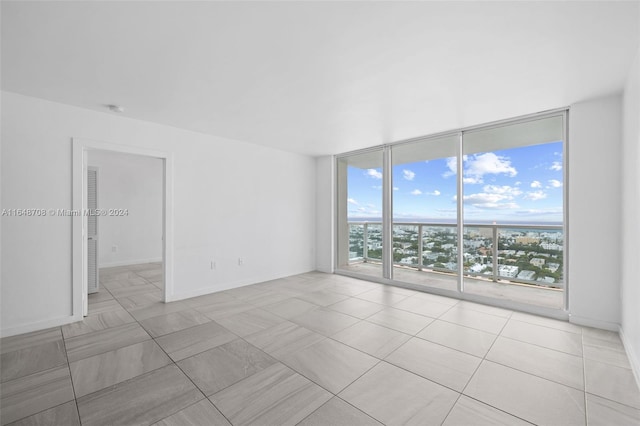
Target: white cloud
[[556, 166], [408, 174], [555, 183], [471, 180], [374, 173], [352, 201], [477, 166], [494, 201], [536, 184], [494, 197], [452, 164], [377, 186], [518, 183], [506, 190], [435, 192], [535, 195], [395, 188], [416, 192]]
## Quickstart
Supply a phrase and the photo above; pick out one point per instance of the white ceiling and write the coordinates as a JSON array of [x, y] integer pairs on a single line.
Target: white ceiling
[[318, 77]]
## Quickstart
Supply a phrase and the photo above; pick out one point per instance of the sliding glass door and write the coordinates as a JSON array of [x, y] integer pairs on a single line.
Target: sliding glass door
[[513, 212], [479, 211], [425, 216], [360, 233]]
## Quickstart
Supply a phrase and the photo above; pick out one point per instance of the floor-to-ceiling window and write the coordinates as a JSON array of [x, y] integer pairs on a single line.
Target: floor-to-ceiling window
[[479, 211]]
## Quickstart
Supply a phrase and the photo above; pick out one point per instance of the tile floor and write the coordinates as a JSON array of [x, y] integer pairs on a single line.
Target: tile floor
[[312, 349]]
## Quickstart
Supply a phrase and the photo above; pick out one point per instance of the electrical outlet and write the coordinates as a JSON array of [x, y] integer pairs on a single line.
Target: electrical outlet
[[213, 265], [114, 249], [240, 261]]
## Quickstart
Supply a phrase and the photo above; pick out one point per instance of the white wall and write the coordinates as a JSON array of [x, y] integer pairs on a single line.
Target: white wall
[[325, 232], [595, 144], [231, 200], [134, 183], [630, 328]]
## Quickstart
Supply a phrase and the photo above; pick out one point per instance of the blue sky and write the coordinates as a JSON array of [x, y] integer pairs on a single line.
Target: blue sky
[[513, 185]]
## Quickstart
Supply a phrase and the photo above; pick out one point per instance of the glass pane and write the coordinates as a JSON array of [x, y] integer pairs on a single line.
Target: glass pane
[[360, 213], [513, 212], [425, 212]]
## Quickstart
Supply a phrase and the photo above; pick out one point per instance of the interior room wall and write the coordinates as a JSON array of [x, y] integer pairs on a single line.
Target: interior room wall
[[132, 183], [594, 180], [630, 214], [248, 209]]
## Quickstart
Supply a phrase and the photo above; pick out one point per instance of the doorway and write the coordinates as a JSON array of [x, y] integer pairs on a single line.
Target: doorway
[[156, 270], [124, 232]]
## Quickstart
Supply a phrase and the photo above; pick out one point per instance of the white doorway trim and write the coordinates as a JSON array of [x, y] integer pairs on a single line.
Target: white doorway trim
[[81, 147]]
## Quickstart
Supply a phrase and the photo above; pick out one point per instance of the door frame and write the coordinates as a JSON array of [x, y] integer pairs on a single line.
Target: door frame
[[80, 149]]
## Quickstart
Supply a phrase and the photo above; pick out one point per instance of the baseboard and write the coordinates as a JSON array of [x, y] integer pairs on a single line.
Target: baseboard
[[39, 325], [130, 262], [632, 355], [590, 322]]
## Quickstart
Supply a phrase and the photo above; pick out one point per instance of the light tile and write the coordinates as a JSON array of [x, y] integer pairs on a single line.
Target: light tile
[[435, 298], [546, 363], [143, 400], [611, 382], [606, 354], [100, 296], [170, 323], [128, 291], [330, 364], [394, 396], [486, 309], [28, 340], [528, 397], [32, 359], [194, 340], [224, 308], [249, 322], [290, 308], [217, 368], [202, 413], [558, 340], [336, 412], [382, 296], [602, 338], [469, 412], [465, 339], [446, 366], [268, 298], [104, 306], [65, 414], [547, 322], [157, 309], [100, 371], [141, 300], [355, 307], [210, 299], [323, 298], [91, 344], [37, 392], [403, 321], [474, 319], [276, 395], [604, 412], [418, 305], [283, 339], [324, 321], [96, 323], [376, 340]]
